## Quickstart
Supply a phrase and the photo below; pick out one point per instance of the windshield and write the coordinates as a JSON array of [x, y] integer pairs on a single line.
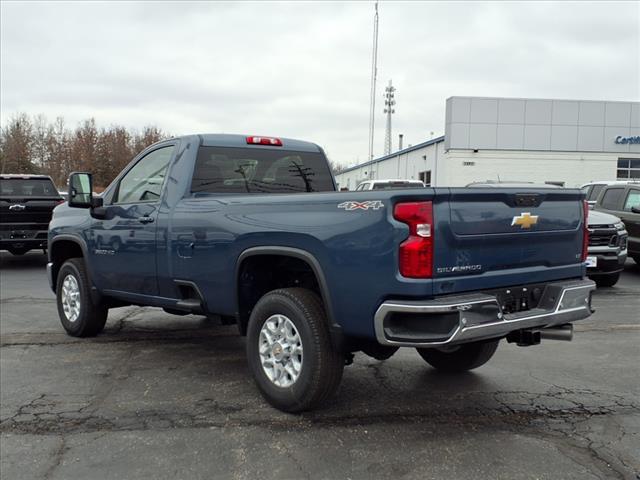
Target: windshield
[[27, 187], [252, 170]]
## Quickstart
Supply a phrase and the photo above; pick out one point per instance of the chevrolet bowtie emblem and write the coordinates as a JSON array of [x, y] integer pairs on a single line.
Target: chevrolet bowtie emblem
[[525, 220]]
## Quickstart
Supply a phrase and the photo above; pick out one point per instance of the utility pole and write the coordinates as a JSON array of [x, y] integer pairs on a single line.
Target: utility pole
[[374, 75], [389, 103]]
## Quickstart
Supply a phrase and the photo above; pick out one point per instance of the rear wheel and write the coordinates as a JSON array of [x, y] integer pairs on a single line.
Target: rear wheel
[[460, 358], [78, 313], [289, 350], [608, 280]]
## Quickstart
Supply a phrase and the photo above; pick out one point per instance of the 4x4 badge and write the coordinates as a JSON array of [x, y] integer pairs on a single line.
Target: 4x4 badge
[[351, 205]]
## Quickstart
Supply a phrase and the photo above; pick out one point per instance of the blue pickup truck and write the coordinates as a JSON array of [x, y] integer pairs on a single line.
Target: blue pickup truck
[[252, 230]]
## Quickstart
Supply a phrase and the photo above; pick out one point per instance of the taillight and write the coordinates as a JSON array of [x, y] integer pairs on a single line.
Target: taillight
[[585, 228], [416, 252], [274, 142]]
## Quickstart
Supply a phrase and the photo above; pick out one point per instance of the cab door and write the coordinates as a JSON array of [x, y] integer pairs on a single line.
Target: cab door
[[124, 239], [631, 218]]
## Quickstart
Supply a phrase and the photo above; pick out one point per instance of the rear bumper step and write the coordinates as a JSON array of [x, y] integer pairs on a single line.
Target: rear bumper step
[[457, 319]]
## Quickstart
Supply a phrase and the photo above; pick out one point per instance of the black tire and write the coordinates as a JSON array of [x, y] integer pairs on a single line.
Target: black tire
[[379, 352], [636, 259], [607, 280], [91, 317], [18, 251], [466, 357], [322, 366]]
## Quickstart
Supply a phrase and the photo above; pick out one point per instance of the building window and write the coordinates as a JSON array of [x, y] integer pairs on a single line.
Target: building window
[[425, 177], [628, 168]]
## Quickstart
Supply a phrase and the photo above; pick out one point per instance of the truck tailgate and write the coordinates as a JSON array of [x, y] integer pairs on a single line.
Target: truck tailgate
[[497, 237]]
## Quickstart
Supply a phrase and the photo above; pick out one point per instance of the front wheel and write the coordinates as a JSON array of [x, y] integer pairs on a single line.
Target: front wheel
[[289, 350], [636, 258], [460, 358], [78, 313]]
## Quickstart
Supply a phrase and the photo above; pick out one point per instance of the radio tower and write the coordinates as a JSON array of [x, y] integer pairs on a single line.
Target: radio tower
[[389, 103]]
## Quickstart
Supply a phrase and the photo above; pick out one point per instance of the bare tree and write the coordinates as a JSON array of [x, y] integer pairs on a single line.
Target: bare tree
[[17, 140], [37, 146], [336, 168]]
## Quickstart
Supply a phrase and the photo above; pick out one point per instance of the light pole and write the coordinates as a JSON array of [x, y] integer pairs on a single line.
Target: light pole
[[374, 76]]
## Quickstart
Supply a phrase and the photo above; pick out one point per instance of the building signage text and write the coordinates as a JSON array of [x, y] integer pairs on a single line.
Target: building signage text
[[625, 140]]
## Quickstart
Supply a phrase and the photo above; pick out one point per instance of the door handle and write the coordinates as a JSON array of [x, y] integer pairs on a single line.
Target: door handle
[[145, 219]]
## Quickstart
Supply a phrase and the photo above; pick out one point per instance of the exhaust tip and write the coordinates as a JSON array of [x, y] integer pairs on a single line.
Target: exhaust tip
[[562, 332]]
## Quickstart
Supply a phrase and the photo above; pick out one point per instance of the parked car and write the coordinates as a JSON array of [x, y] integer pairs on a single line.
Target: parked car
[[607, 248], [624, 201], [251, 229], [26, 203], [389, 184], [593, 189]]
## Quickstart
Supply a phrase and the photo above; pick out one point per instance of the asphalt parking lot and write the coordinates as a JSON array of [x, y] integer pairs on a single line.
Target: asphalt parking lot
[[158, 396]]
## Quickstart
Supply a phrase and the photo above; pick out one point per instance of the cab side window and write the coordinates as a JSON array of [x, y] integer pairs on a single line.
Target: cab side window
[[143, 183], [611, 198], [595, 191]]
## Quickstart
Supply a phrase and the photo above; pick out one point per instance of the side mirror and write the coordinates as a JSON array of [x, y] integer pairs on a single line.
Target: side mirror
[[80, 190], [635, 209]]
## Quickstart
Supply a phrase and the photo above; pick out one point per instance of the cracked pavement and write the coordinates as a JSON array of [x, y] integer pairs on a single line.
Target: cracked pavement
[[159, 396]]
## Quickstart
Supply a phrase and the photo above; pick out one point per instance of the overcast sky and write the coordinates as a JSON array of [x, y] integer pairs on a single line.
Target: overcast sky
[[302, 70]]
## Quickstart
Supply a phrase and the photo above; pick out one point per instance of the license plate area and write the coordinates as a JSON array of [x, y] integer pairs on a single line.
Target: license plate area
[[518, 299]]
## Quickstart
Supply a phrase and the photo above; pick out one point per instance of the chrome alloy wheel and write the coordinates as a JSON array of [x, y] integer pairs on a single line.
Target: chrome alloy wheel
[[71, 298], [280, 350]]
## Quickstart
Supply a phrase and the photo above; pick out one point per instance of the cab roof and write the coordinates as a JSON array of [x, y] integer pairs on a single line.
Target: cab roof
[[24, 176]]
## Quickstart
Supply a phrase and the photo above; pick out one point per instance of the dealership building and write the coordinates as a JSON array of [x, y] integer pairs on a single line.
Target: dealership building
[[518, 139]]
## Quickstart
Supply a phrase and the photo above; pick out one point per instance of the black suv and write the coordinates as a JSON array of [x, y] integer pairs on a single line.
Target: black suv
[[26, 204], [624, 201]]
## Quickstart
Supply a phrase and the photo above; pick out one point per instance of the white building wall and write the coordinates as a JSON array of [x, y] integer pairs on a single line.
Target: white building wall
[[403, 165], [461, 167]]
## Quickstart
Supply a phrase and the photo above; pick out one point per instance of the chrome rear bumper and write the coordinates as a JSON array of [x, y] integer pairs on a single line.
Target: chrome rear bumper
[[456, 319]]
